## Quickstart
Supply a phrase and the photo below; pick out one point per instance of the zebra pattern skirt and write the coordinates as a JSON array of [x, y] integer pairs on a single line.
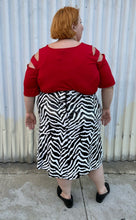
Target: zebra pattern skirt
[[69, 144]]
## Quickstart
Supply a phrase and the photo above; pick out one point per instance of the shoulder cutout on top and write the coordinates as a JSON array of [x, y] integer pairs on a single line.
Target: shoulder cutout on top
[[34, 61], [93, 50], [100, 56]]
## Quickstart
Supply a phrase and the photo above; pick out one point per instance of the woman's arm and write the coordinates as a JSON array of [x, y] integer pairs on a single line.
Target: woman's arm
[[30, 119], [29, 104], [107, 94]]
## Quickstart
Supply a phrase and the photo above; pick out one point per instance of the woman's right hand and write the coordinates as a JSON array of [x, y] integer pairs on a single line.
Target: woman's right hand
[[106, 116]]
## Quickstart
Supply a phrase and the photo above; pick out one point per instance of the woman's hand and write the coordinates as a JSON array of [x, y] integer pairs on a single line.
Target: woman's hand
[[30, 120], [106, 117]]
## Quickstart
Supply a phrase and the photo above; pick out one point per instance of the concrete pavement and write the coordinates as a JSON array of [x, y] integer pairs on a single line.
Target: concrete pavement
[[27, 193]]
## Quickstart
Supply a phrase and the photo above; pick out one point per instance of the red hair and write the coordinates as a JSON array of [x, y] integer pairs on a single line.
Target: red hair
[[63, 20]]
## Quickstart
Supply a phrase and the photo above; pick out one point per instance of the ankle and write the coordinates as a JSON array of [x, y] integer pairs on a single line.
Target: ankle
[[65, 196], [102, 190]]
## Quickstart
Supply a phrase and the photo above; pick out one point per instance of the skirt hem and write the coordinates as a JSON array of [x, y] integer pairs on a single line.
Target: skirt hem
[[74, 178]]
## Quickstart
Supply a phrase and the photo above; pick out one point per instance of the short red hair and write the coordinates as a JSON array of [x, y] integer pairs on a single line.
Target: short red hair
[[63, 20]]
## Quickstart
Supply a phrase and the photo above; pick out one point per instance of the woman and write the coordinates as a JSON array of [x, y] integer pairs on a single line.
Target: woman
[[66, 75]]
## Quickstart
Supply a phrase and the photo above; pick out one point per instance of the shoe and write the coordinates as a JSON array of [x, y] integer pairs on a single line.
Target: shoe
[[68, 202], [100, 197]]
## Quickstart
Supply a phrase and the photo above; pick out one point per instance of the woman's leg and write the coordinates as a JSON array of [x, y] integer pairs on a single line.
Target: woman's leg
[[97, 176], [65, 185]]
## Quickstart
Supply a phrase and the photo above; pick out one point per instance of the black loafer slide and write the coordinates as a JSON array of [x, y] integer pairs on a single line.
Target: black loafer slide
[[100, 197], [68, 202]]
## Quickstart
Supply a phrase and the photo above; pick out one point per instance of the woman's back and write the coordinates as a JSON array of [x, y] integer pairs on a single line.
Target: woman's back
[[69, 68]]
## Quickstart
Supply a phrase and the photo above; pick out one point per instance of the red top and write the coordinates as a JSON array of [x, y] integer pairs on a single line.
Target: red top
[[61, 69]]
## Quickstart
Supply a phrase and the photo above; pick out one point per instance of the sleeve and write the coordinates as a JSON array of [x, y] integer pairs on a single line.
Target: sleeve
[[106, 77], [31, 87]]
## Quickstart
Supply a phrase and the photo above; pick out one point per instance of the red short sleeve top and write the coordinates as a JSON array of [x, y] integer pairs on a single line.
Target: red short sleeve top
[[62, 69]]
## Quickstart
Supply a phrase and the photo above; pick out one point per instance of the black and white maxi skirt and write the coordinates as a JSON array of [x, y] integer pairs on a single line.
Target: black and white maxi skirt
[[69, 144]]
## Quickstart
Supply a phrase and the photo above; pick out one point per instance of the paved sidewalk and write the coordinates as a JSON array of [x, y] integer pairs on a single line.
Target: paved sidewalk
[[29, 194]]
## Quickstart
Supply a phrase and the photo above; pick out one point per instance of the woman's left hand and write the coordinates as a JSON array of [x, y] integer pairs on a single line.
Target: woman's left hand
[[30, 120]]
